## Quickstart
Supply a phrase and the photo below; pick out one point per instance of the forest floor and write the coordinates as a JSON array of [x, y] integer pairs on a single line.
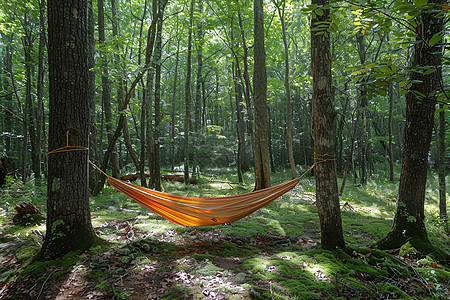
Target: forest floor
[[273, 254]]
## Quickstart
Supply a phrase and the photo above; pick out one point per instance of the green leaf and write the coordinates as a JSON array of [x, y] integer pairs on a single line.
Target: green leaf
[[411, 219], [436, 38], [319, 12], [439, 110], [429, 71], [420, 3]]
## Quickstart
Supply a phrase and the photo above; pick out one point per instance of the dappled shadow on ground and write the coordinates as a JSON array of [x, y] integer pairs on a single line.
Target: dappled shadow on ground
[[199, 263]]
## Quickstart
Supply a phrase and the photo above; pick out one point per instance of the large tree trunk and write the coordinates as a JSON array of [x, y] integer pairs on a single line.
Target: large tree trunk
[[327, 196], [409, 215], [261, 148], [68, 215]]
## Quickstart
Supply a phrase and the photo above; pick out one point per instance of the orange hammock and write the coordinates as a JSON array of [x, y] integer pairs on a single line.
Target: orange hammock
[[189, 211]]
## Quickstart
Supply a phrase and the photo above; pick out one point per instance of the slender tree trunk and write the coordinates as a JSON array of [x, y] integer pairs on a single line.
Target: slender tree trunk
[[144, 105], [150, 42], [288, 92], [248, 87], [187, 96], [363, 144], [155, 180], [204, 98], [35, 152], [93, 155], [261, 149], [327, 196], [8, 83], [409, 216], [239, 124], [106, 89], [174, 97], [150, 94], [271, 160], [28, 124], [350, 153], [390, 147], [442, 186], [40, 92], [340, 135], [198, 94], [120, 88], [25, 143], [68, 214], [242, 162]]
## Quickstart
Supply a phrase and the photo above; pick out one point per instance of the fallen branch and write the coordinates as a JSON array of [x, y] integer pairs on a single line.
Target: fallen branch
[[42, 287], [114, 289]]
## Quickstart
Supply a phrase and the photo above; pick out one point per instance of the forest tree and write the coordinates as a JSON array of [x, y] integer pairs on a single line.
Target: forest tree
[[327, 195], [68, 213]]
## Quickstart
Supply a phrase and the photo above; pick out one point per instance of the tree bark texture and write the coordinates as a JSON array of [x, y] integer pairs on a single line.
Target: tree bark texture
[[30, 106], [327, 196], [93, 155], [68, 214], [155, 168], [409, 215], [187, 96], [261, 151]]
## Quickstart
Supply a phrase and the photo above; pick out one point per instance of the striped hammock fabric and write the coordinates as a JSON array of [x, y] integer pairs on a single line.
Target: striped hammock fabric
[[189, 211]]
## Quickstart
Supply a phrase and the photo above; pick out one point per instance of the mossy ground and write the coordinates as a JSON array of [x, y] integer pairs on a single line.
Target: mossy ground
[[273, 254]]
